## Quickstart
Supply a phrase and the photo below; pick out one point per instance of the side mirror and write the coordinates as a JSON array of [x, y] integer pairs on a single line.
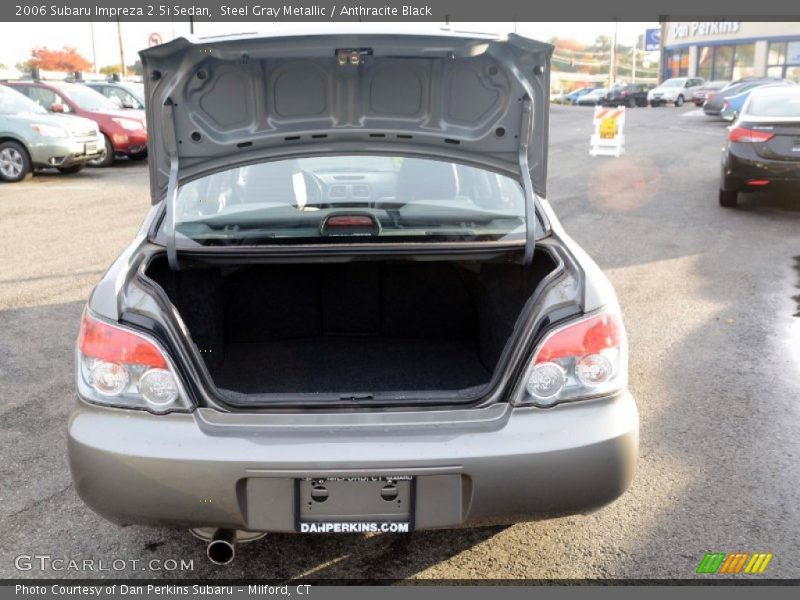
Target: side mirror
[[57, 108], [127, 104]]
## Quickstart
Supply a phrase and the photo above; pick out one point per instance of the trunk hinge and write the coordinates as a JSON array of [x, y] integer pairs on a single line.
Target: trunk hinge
[[527, 184], [172, 184]]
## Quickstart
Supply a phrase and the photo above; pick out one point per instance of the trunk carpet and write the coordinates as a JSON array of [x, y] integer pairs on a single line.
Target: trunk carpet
[[350, 364]]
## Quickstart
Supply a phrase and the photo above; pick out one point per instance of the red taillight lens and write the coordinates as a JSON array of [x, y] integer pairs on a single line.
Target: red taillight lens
[[742, 134], [111, 344], [585, 337], [579, 360]]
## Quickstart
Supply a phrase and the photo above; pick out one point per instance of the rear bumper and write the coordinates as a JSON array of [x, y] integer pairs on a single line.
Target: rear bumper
[[480, 466], [741, 165]]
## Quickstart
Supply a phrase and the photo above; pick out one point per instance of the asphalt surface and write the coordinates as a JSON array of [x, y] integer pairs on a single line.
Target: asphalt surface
[[707, 295]]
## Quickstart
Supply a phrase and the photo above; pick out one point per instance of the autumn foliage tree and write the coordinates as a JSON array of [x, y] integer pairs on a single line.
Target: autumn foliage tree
[[66, 59]]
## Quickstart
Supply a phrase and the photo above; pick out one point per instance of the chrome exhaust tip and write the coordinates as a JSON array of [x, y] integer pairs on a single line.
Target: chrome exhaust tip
[[221, 549]]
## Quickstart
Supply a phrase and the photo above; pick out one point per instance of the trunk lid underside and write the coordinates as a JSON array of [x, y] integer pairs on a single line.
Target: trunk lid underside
[[218, 103]]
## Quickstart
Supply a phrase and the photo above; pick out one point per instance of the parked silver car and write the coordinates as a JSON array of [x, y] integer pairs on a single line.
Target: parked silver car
[[31, 138], [675, 91], [350, 308]]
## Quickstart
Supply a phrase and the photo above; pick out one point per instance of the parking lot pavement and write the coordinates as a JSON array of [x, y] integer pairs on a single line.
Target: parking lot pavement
[[707, 298]]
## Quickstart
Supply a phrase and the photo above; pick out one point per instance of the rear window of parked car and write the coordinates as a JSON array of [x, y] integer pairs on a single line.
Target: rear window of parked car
[[775, 105]]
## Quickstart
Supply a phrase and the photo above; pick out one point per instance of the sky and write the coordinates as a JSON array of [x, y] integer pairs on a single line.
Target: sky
[[19, 38]]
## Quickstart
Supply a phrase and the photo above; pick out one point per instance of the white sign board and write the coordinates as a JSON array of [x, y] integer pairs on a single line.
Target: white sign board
[[608, 138]]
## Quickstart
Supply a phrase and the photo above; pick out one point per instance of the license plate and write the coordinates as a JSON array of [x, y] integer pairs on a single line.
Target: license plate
[[368, 504], [90, 148]]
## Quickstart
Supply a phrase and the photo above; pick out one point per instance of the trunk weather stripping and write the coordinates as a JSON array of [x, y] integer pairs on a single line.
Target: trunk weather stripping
[[172, 184], [530, 209]]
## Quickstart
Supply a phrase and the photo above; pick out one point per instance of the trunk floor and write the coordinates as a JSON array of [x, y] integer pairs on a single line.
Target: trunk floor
[[350, 364]]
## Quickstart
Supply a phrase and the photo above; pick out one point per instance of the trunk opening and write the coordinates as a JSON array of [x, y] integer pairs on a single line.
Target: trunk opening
[[351, 329]]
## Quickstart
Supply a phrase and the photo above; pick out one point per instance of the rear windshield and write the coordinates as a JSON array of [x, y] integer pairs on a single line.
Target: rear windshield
[[775, 104], [349, 199]]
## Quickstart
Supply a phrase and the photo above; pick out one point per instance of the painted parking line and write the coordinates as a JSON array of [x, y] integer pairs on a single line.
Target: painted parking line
[[697, 112]]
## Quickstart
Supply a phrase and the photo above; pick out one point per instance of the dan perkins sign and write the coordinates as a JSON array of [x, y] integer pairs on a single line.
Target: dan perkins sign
[[704, 29]]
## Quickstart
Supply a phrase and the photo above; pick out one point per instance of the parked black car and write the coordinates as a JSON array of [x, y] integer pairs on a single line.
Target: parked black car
[[713, 106], [763, 149], [627, 94]]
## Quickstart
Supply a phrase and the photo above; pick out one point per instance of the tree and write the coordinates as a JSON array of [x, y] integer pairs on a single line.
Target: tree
[[136, 68], [66, 59], [109, 70]]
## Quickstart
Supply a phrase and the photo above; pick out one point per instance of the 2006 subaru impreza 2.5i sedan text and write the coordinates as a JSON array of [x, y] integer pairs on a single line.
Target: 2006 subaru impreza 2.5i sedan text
[[350, 307]]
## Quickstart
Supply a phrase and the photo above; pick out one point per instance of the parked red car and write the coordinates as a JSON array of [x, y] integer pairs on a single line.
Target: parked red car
[[707, 91], [124, 131]]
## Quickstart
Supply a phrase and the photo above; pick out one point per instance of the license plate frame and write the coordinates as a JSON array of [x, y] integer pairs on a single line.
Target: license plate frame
[[355, 504], [90, 148]]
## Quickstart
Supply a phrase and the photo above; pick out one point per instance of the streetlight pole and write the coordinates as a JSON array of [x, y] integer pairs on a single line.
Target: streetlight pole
[[121, 49], [635, 50], [612, 67], [94, 50]]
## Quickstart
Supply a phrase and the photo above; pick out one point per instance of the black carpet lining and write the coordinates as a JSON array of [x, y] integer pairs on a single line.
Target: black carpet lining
[[350, 365]]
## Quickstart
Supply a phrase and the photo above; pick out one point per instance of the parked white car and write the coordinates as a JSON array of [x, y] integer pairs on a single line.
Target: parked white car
[[674, 91]]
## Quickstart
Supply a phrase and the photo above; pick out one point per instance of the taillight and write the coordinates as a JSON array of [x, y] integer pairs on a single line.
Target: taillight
[[582, 359], [106, 342], [123, 368], [743, 134]]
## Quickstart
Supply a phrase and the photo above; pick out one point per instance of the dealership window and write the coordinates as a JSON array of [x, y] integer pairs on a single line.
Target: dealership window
[[677, 63], [726, 62], [744, 62], [705, 62], [783, 60]]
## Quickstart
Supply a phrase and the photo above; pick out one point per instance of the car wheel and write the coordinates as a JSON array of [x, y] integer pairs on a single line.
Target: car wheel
[[15, 164], [138, 155], [728, 199], [71, 170], [679, 101], [653, 104], [631, 102], [107, 158]]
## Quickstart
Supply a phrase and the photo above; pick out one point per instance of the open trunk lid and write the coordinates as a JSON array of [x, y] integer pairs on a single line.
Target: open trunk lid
[[213, 104]]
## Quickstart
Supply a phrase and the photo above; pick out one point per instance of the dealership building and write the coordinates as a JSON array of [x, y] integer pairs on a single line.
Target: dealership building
[[727, 50]]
